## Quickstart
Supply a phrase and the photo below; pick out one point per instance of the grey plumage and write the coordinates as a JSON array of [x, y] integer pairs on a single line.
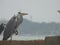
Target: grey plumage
[[12, 25], [1, 28], [9, 28]]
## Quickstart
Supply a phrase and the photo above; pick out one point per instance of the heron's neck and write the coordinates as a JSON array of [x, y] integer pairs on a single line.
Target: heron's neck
[[19, 16]]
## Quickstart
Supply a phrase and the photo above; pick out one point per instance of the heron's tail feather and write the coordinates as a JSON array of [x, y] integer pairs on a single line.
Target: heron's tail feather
[[4, 39]]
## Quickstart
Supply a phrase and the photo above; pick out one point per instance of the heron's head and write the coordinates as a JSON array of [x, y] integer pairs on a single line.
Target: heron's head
[[22, 13]]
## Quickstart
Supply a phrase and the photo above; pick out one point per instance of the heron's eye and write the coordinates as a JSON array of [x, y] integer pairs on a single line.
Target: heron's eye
[[19, 12]]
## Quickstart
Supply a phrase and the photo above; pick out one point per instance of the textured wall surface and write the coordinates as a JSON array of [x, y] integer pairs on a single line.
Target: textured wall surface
[[52, 40], [32, 42]]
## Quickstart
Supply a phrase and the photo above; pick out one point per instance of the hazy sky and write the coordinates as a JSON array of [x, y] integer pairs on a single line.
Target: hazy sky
[[40, 10]]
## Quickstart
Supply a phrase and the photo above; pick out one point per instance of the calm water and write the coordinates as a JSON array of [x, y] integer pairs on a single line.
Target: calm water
[[14, 37]]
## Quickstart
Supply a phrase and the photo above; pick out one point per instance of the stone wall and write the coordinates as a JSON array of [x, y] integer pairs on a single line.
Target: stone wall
[[52, 40], [14, 42]]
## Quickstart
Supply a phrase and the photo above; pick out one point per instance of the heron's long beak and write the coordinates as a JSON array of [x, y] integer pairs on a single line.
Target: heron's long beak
[[24, 14]]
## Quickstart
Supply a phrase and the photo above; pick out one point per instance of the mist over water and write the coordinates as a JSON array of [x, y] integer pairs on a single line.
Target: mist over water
[[29, 30]]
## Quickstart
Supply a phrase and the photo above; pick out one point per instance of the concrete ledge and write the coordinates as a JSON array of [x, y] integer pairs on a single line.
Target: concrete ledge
[[14, 42], [52, 40]]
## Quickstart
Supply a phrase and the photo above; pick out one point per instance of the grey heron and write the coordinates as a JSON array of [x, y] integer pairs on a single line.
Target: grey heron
[[12, 25]]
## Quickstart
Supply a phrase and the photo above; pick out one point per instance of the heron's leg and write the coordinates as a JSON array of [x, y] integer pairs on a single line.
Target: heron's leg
[[11, 37]]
